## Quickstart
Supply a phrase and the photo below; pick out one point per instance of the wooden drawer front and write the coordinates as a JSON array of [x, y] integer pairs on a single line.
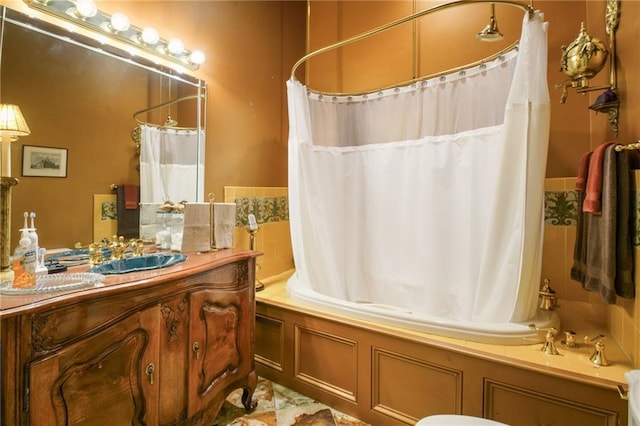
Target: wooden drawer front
[[516, 405], [234, 276]]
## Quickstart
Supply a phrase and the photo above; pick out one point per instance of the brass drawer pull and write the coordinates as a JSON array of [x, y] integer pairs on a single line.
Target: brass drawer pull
[[150, 369], [196, 349]]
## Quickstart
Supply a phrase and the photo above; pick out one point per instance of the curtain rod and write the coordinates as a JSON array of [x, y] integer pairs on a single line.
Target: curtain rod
[[527, 8]]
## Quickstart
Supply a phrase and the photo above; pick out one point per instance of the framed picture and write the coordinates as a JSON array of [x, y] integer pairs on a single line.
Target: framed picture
[[44, 161]]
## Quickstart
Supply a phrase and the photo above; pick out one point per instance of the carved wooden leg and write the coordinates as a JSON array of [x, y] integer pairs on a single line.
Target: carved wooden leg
[[247, 392]]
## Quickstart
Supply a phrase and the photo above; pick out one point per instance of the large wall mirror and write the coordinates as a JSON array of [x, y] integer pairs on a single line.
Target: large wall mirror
[[81, 98]]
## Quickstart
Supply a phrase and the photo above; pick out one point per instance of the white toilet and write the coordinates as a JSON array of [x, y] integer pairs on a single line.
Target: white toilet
[[633, 379], [458, 420]]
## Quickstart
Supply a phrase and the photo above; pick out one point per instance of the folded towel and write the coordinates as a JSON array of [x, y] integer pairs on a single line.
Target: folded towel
[[131, 197], [592, 201]]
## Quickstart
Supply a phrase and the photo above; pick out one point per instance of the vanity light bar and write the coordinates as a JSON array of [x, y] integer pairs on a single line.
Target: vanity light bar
[[85, 13]]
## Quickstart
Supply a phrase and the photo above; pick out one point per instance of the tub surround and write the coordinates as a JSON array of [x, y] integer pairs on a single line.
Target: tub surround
[[355, 365], [157, 347]]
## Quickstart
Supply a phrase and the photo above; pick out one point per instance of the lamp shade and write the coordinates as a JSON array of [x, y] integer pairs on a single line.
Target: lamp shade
[[12, 121]]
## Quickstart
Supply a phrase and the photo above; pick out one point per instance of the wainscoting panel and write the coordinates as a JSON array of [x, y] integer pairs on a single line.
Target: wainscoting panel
[[315, 354], [404, 387], [270, 342], [506, 403]]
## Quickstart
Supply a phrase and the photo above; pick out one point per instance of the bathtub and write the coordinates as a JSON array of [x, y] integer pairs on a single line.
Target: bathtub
[[493, 333]]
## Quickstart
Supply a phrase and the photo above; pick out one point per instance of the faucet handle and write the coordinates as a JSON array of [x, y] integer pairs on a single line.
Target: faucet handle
[[549, 346], [598, 357]]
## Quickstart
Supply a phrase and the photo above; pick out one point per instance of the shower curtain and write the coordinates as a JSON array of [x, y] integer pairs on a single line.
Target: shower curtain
[[427, 197], [171, 165]]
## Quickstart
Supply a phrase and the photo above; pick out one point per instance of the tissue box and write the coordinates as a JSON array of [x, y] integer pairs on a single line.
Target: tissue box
[[196, 233]]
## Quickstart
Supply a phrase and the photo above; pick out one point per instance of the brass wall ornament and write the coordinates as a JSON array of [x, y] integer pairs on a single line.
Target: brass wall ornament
[[585, 57]]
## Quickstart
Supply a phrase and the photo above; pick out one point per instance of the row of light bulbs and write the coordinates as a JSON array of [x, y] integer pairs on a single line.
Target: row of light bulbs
[[86, 14]]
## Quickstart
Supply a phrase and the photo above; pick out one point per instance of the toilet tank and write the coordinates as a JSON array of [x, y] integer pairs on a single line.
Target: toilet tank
[[633, 379]]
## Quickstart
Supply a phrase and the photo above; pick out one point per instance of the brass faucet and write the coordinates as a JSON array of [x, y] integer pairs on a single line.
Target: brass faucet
[[547, 296], [95, 254], [549, 346], [598, 357], [117, 247]]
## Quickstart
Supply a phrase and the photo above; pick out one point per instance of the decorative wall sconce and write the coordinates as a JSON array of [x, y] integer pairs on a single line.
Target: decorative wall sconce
[[12, 125], [86, 14], [585, 57]]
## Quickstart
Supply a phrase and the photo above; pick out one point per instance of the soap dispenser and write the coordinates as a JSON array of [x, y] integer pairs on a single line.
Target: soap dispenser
[[40, 268], [24, 261]]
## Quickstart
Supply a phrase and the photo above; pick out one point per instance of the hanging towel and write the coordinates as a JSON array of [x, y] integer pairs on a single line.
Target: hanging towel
[[580, 247], [128, 219], [131, 197], [603, 259], [624, 284], [583, 172], [593, 197]]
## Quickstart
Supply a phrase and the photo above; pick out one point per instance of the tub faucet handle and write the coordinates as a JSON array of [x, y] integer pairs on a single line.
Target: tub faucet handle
[[547, 296], [549, 346], [598, 358]]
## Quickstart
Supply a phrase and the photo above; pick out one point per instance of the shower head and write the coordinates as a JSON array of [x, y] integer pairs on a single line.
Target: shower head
[[170, 122], [491, 31]]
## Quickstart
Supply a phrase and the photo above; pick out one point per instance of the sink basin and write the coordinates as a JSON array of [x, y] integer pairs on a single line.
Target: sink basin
[[139, 263]]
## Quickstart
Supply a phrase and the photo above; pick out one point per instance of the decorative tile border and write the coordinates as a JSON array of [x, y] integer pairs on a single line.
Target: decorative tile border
[[265, 209], [560, 208]]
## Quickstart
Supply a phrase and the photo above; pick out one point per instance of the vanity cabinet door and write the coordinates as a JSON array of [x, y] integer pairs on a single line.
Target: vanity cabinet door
[[109, 378], [221, 349]]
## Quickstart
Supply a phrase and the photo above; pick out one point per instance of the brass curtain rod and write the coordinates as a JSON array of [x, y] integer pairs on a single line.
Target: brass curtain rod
[[527, 8], [164, 104]]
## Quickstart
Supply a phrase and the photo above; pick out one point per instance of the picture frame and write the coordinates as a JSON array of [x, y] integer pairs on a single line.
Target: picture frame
[[44, 161]]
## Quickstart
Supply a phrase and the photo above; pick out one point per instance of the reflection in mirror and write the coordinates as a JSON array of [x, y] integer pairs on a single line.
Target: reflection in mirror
[[82, 97]]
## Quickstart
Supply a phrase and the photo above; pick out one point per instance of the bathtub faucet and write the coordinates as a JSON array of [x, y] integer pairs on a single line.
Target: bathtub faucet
[[549, 346]]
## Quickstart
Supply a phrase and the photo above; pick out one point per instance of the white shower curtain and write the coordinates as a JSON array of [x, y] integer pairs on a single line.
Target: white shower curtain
[[427, 197], [171, 165]]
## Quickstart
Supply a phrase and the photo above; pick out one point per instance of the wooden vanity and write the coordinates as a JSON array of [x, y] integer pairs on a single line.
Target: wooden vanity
[[158, 347]]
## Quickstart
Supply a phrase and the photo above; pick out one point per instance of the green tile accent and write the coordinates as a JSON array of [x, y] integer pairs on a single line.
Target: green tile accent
[[265, 209], [560, 208]]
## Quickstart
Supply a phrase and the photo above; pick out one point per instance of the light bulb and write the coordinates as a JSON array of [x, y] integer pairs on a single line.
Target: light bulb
[[150, 35], [175, 46], [119, 22], [86, 8], [197, 57]]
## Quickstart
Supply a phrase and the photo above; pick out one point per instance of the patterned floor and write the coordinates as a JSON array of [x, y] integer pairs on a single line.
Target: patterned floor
[[279, 406]]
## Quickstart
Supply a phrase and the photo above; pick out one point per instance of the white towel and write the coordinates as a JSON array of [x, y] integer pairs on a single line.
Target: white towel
[[224, 224]]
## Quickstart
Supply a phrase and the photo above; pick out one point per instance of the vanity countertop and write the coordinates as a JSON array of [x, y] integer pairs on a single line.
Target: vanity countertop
[[573, 364], [13, 304]]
